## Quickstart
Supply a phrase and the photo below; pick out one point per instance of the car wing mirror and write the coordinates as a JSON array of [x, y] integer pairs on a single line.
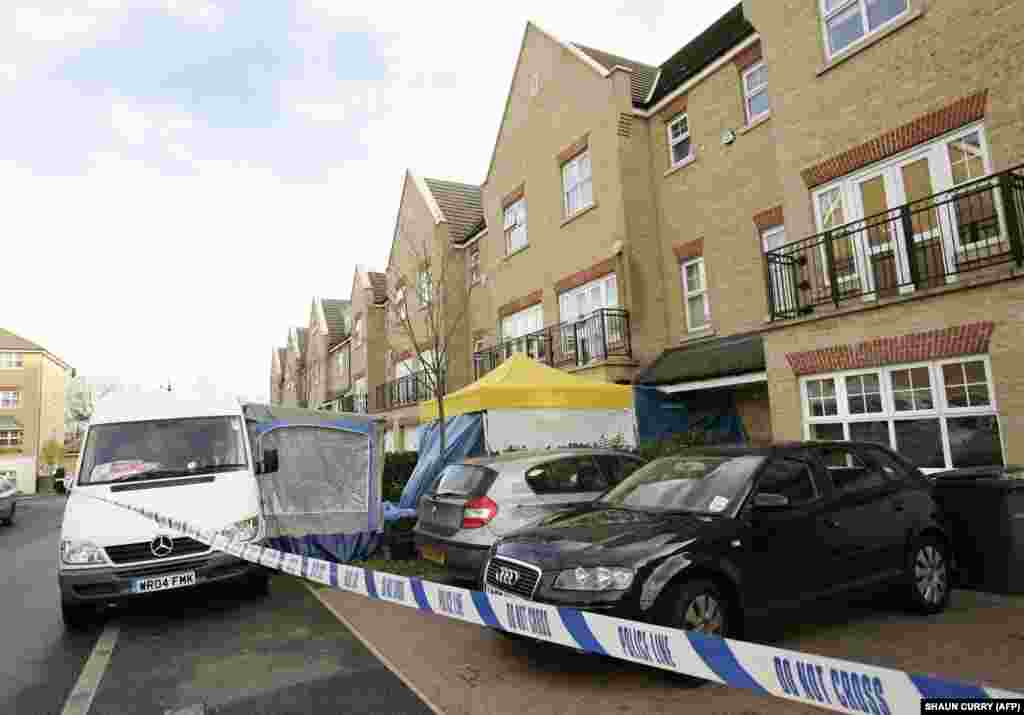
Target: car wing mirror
[[769, 502], [270, 463]]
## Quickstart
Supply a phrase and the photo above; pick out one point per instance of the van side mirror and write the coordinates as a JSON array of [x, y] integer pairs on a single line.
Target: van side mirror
[[270, 462], [768, 502]]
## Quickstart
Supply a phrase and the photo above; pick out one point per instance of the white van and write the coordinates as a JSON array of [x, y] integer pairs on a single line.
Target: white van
[[187, 459]]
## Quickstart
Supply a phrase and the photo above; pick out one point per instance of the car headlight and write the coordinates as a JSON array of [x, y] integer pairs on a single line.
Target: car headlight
[[601, 578], [244, 530], [76, 552]]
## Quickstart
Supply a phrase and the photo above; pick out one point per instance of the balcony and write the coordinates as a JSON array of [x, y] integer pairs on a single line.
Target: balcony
[[600, 335], [924, 244], [407, 390], [354, 403]]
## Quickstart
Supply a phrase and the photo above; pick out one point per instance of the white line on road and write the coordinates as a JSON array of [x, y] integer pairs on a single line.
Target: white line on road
[[80, 699]]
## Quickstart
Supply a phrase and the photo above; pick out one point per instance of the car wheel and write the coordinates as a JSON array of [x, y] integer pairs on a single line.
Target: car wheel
[[929, 575], [76, 617], [701, 606], [10, 517]]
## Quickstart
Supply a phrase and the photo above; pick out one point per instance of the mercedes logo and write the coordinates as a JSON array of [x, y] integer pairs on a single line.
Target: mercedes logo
[[507, 576], [161, 545]]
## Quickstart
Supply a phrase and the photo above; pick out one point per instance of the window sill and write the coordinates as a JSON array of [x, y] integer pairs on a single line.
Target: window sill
[[681, 165], [750, 126], [698, 335], [516, 252], [867, 42], [579, 213]]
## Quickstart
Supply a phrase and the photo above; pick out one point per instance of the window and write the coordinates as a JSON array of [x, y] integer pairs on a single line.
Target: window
[[515, 227], [847, 21], [755, 92], [791, 479], [357, 332], [9, 399], [474, 264], [566, 476], [848, 471], [582, 311], [939, 239], [578, 303], [937, 415], [10, 438], [424, 288], [10, 361], [577, 190], [680, 148], [695, 293], [527, 321]]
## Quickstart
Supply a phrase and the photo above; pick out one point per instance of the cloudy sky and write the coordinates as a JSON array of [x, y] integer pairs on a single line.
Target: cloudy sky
[[180, 177]]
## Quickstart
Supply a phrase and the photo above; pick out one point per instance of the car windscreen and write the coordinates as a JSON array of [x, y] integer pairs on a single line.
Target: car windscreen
[[162, 448], [714, 485], [460, 480]]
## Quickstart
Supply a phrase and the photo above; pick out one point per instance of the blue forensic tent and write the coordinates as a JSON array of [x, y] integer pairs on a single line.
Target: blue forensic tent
[[659, 416], [324, 500], [464, 437]]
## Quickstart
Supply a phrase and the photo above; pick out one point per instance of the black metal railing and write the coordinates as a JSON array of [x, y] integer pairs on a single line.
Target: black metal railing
[[406, 390], [598, 336], [922, 244]]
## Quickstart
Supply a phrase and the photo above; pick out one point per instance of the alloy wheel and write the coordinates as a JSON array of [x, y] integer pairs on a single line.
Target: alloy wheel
[[705, 614], [930, 574]]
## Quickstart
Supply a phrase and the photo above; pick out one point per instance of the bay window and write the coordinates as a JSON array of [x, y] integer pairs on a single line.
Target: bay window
[[584, 319], [940, 414]]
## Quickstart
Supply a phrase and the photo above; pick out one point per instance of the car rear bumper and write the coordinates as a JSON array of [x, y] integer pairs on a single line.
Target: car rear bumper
[[113, 583], [462, 559]]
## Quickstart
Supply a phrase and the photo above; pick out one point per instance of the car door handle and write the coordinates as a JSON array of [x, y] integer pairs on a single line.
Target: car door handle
[[831, 523], [898, 505]]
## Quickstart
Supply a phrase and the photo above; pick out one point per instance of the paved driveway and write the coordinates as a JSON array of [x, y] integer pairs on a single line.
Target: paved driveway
[[218, 650]]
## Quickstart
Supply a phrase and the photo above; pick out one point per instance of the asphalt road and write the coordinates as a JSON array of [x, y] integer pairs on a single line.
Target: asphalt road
[[218, 651]]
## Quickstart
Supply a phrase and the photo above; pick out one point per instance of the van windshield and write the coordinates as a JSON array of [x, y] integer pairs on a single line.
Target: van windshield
[[162, 448]]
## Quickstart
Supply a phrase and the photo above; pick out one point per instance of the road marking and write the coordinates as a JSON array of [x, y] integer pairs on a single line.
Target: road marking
[[80, 699], [370, 647]]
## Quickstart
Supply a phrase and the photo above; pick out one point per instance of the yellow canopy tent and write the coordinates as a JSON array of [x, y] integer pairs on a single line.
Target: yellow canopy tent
[[523, 383]]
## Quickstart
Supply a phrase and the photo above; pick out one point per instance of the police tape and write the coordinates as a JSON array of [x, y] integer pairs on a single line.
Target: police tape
[[830, 683]]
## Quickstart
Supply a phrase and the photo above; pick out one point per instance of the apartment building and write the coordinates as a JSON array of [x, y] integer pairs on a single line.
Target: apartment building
[[329, 324], [809, 217], [31, 407]]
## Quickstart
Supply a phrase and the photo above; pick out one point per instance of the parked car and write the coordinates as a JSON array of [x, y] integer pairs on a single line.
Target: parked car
[[8, 500], [709, 538], [476, 501]]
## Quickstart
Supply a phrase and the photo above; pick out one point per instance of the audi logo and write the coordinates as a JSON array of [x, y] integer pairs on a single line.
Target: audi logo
[[506, 576]]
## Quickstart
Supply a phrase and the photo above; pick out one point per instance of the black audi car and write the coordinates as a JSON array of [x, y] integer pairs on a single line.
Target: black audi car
[[709, 538]]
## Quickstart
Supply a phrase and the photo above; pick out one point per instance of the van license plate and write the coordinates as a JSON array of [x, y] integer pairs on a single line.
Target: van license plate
[[164, 583]]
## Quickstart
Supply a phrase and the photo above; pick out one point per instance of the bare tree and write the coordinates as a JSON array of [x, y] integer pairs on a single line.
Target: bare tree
[[443, 294], [80, 398]]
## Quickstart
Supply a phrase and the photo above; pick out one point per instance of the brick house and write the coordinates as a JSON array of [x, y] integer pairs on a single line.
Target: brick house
[[31, 407]]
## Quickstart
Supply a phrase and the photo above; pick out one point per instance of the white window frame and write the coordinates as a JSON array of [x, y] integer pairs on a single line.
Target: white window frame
[[424, 287], [607, 286], [678, 140], [844, 6], [515, 221], [702, 292], [529, 319], [941, 173], [749, 93], [940, 411], [11, 360], [12, 438], [10, 399], [474, 264], [572, 170]]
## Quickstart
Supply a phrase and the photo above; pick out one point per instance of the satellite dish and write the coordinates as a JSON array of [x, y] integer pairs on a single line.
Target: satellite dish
[[728, 136]]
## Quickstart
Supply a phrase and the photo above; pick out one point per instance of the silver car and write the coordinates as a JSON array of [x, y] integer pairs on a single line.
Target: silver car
[[8, 500], [476, 501]]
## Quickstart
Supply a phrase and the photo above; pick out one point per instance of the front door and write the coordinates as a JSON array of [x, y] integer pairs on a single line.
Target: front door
[[785, 562]]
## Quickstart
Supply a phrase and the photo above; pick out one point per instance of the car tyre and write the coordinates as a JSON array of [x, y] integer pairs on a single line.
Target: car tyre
[[77, 617], [697, 605], [929, 575], [9, 521]]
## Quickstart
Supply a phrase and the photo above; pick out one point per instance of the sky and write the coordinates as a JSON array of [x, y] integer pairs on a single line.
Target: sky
[[181, 177]]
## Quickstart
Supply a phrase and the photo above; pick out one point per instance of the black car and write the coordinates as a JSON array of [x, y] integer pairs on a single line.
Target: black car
[[709, 538]]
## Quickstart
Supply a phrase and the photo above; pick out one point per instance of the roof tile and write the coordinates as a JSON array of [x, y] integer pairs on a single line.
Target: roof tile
[[461, 205]]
